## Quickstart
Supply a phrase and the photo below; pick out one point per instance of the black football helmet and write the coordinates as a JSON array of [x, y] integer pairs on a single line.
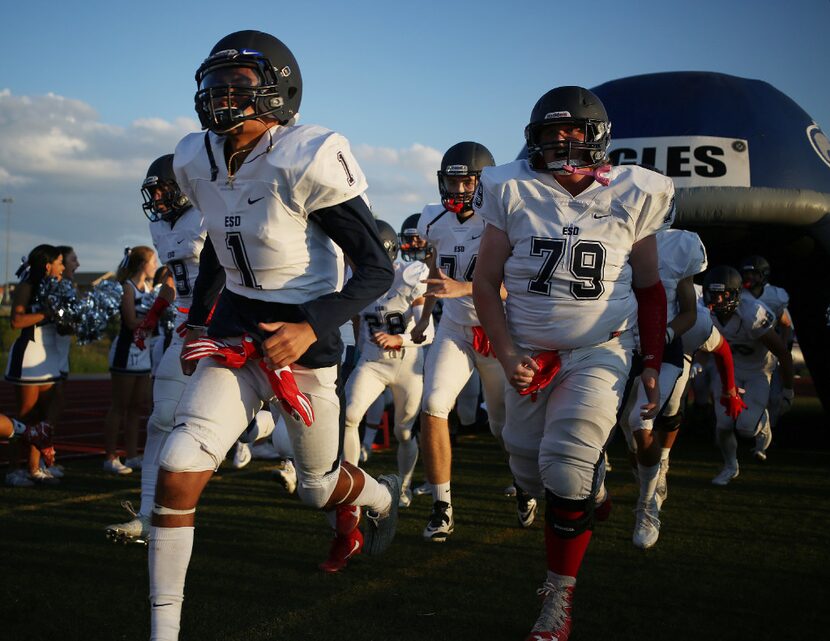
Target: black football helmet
[[757, 264], [413, 247], [568, 106], [272, 84], [163, 200], [722, 289], [464, 159], [389, 238]]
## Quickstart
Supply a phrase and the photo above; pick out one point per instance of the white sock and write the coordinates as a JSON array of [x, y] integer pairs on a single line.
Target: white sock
[[150, 468], [664, 453], [374, 495], [407, 458], [441, 492], [648, 481], [369, 437], [169, 555], [728, 445]]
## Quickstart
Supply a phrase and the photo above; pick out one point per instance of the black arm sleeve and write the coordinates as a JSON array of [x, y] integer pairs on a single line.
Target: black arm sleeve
[[209, 284], [352, 227]]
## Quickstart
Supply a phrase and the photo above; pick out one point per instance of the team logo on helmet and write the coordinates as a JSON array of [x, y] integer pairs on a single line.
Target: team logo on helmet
[[557, 114], [456, 170], [820, 143]]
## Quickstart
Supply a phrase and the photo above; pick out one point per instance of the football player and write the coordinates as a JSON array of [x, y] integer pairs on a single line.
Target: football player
[[704, 337], [178, 234], [454, 231], [389, 358], [681, 256], [749, 326], [275, 197], [573, 241], [755, 271]]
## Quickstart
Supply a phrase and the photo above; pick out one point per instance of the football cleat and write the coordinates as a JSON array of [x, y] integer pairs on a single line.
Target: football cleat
[[422, 489], [510, 491], [406, 498], [365, 453], [441, 523], [646, 525], [135, 530], [380, 529], [554, 622], [286, 476], [726, 474], [241, 455], [343, 548], [762, 443], [525, 509]]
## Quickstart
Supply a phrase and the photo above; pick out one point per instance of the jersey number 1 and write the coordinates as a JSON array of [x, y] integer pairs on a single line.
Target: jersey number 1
[[233, 241]]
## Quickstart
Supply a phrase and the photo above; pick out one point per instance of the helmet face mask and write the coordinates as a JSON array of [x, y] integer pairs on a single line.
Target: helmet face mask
[[458, 177], [163, 200], [568, 127], [722, 290], [755, 271], [248, 76], [413, 246]]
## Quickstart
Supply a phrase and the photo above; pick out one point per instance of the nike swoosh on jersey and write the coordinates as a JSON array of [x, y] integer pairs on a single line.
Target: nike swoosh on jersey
[[179, 242], [255, 200], [598, 216], [474, 237]]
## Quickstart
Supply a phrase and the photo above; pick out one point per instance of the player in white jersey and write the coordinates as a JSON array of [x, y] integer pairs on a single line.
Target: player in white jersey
[[681, 255], [703, 336], [275, 197], [755, 271], [748, 325], [178, 235], [390, 358], [454, 231], [572, 239]]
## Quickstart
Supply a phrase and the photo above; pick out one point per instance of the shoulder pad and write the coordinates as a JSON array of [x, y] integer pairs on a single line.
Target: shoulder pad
[[414, 273]]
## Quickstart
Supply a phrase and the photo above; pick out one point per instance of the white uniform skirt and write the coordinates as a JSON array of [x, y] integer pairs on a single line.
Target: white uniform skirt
[[34, 358]]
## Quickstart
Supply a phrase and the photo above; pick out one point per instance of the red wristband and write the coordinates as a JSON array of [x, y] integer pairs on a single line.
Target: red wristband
[[651, 318], [152, 317]]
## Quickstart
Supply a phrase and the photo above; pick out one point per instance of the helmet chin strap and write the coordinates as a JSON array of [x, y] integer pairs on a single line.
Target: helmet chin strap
[[599, 173]]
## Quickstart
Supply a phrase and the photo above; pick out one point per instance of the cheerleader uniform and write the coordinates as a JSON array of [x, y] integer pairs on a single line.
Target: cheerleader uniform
[[125, 357], [34, 357]]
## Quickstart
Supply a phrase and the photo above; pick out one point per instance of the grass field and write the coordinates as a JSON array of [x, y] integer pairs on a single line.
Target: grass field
[[750, 561]]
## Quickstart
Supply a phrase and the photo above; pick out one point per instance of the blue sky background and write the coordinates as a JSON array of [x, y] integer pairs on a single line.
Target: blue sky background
[[91, 93]]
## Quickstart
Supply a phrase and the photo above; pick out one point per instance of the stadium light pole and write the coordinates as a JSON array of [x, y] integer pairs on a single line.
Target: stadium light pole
[[8, 202]]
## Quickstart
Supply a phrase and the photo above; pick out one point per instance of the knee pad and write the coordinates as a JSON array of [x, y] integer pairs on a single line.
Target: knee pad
[[316, 490], [568, 517], [183, 453], [668, 423]]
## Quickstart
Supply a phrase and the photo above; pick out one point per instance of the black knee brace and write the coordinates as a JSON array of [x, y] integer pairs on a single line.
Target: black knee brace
[[569, 528], [668, 423]]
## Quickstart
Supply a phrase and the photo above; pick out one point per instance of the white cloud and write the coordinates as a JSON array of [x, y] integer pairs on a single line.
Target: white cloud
[[75, 179]]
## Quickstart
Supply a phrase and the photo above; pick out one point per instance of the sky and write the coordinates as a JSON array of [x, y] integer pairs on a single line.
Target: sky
[[92, 92]]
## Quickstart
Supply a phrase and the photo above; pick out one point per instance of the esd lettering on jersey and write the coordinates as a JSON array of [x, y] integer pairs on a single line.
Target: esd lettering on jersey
[[458, 249], [233, 221], [571, 230]]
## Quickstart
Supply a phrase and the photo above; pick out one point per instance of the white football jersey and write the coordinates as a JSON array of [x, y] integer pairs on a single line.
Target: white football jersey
[[743, 330], [775, 298], [568, 277], [681, 254], [456, 249], [179, 247], [258, 220], [392, 312]]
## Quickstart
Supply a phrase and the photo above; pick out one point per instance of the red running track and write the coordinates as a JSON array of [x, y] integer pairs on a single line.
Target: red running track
[[80, 429]]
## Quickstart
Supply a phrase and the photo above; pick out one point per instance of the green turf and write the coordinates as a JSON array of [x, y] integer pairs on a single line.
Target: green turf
[[749, 561]]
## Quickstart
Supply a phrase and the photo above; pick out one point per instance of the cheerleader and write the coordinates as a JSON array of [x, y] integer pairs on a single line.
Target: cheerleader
[[129, 365], [34, 365]]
